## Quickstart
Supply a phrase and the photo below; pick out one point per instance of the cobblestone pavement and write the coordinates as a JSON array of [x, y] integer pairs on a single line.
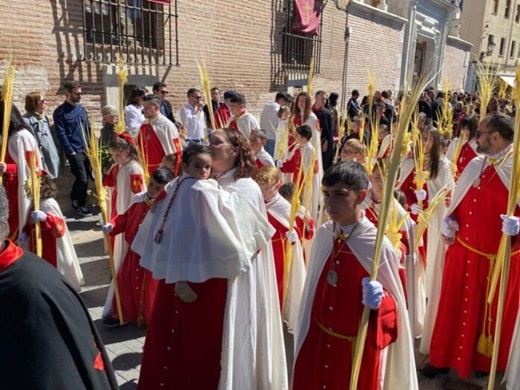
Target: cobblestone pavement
[[125, 344]]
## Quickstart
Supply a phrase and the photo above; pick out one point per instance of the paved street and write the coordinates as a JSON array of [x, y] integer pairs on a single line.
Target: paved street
[[125, 344]]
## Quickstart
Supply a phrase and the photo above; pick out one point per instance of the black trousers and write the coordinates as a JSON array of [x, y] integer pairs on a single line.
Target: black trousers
[[81, 169]]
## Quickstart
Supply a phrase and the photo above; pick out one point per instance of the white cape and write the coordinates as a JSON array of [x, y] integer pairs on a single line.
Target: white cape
[[253, 352], [400, 371], [220, 223], [67, 260], [280, 210]]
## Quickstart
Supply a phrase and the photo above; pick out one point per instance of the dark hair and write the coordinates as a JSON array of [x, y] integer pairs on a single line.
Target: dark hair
[[162, 175], [355, 92], [435, 152], [158, 85], [121, 143], [259, 133], [289, 98], [244, 161], [48, 187], [152, 99], [304, 131], [4, 215], [502, 124], [280, 96], [238, 98], [385, 94], [319, 93], [470, 123], [349, 173], [71, 85], [32, 100], [214, 89], [17, 122], [193, 150], [333, 99], [286, 190], [191, 91], [137, 92]]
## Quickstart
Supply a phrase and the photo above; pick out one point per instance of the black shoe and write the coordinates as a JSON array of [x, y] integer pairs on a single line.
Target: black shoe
[[82, 210], [481, 374], [110, 322], [431, 372]]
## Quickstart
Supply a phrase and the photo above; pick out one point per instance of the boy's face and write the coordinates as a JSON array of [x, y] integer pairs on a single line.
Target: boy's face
[[199, 166], [154, 188], [342, 203], [377, 183], [256, 143], [299, 139], [268, 191]]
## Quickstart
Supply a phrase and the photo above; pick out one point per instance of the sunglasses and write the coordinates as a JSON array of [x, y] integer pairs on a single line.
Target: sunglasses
[[164, 92], [197, 97]]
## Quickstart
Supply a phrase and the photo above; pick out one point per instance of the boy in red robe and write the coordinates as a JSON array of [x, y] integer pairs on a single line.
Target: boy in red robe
[[136, 286], [338, 287]]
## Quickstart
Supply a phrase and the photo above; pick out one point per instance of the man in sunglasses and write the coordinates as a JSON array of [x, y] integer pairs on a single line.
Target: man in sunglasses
[[160, 90], [193, 118], [72, 128], [464, 332]]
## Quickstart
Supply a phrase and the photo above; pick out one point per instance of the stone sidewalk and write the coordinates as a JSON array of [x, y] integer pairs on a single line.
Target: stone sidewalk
[[125, 344]]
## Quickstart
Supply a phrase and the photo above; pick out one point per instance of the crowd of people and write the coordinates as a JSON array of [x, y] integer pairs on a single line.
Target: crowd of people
[[232, 236]]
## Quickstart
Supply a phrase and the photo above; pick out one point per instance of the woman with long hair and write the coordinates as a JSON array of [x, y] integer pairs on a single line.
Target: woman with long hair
[[16, 169], [302, 115], [440, 178], [38, 122]]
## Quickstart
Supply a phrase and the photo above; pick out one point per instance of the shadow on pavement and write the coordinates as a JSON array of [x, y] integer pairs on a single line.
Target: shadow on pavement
[[118, 334], [127, 360]]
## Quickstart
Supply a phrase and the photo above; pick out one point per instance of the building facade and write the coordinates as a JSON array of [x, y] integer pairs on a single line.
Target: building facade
[[493, 27], [250, 46]]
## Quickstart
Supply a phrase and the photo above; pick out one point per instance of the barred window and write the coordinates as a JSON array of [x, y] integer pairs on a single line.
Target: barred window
[[144, 32], [298, 48]]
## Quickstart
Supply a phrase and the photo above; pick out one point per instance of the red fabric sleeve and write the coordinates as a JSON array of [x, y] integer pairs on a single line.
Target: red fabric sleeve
[[119, 224], [55, 224], [382, 329], [289, 166]]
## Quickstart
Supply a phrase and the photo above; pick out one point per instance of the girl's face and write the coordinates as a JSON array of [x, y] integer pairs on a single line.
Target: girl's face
[[256, 143], [120, 156], [224, 154], [154, 188], [377, 184], [268, 191], [302, 102], [199, 166]]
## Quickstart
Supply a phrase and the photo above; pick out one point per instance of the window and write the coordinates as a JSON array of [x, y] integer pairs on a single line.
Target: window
[[507, 9], [512, 51], [139, 30], [495, 7], [502, 46], [299, 49], [517, 17]]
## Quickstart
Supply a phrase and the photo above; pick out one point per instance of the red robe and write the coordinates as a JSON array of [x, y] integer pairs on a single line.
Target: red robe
[[222, 116], [325, 360], [467, 153], [461, 315], [183, 344], [137, 288], [52, 228], [153, 150], [10, 183], [408, 189]]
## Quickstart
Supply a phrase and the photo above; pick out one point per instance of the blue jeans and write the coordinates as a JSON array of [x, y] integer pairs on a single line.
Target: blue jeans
[[269, 147]]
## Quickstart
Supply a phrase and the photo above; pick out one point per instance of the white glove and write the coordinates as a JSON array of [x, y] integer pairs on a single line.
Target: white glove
[[449, 227], [279, 163], [23, 238], [510, 224], [107, 228], [372, 293], [420, 194], [38, 215], [292, 237], [415, 209]]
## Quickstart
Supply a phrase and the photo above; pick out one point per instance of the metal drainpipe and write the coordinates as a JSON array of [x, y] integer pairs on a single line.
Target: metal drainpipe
[[345, 60]]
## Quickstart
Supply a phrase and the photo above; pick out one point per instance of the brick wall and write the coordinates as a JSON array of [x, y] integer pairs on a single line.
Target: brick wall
[[455, 63], [376, 46], [240, 41]]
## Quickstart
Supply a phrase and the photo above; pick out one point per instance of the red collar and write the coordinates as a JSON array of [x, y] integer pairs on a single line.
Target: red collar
[[316, 108], [10, 254]]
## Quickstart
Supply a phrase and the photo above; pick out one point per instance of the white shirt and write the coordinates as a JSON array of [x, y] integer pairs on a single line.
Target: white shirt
[[269, 119], [195, 124], [134, 118]]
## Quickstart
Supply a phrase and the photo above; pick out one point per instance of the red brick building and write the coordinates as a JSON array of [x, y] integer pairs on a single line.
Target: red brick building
[[247, 45]]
